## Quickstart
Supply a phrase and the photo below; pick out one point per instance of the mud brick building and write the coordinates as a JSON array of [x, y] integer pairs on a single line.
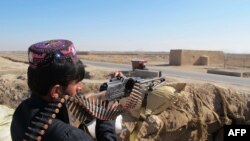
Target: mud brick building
[[196, 57]]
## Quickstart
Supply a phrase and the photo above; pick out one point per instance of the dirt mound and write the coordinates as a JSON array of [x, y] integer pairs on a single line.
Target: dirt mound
[[13, 89], [199, 113], [13, 80], [5, 121]]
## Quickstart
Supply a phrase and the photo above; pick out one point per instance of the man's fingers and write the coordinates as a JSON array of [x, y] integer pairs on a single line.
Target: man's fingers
[[118, 74]]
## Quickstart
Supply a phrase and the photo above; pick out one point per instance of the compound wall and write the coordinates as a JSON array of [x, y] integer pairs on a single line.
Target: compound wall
[[196, 57]]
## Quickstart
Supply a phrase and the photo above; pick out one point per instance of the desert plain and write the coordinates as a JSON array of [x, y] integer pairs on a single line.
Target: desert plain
[[13, 79]]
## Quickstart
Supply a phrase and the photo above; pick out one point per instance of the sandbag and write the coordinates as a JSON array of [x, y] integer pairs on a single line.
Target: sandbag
[[192, 112]]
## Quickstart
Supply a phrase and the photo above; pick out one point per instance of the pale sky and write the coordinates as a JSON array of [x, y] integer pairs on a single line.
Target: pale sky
[[127, 25]]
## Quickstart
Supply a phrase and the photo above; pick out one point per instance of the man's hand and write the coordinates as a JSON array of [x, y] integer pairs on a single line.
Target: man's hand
[[117, 74]]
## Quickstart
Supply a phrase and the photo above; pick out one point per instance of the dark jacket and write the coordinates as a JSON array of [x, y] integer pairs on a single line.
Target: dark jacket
[[60, 129]]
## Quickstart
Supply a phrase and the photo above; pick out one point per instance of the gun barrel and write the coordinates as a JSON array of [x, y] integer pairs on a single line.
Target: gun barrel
[[161, 79]]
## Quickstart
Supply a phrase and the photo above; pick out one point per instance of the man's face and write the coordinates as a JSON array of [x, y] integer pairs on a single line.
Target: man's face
[[73, 88]]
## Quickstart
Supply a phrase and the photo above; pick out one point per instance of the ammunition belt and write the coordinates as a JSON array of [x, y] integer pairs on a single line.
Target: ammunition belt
[[41, 121], [79, 108]]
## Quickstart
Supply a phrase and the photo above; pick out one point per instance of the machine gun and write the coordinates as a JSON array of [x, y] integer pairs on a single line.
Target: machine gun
[[120, 87], [83, 109]]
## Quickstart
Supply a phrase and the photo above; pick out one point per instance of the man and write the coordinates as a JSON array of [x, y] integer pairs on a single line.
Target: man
[[54, 71]]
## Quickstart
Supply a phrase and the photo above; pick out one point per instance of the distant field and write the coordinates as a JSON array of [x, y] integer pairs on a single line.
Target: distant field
[[152, 58], [115, 57], [15, 56]]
